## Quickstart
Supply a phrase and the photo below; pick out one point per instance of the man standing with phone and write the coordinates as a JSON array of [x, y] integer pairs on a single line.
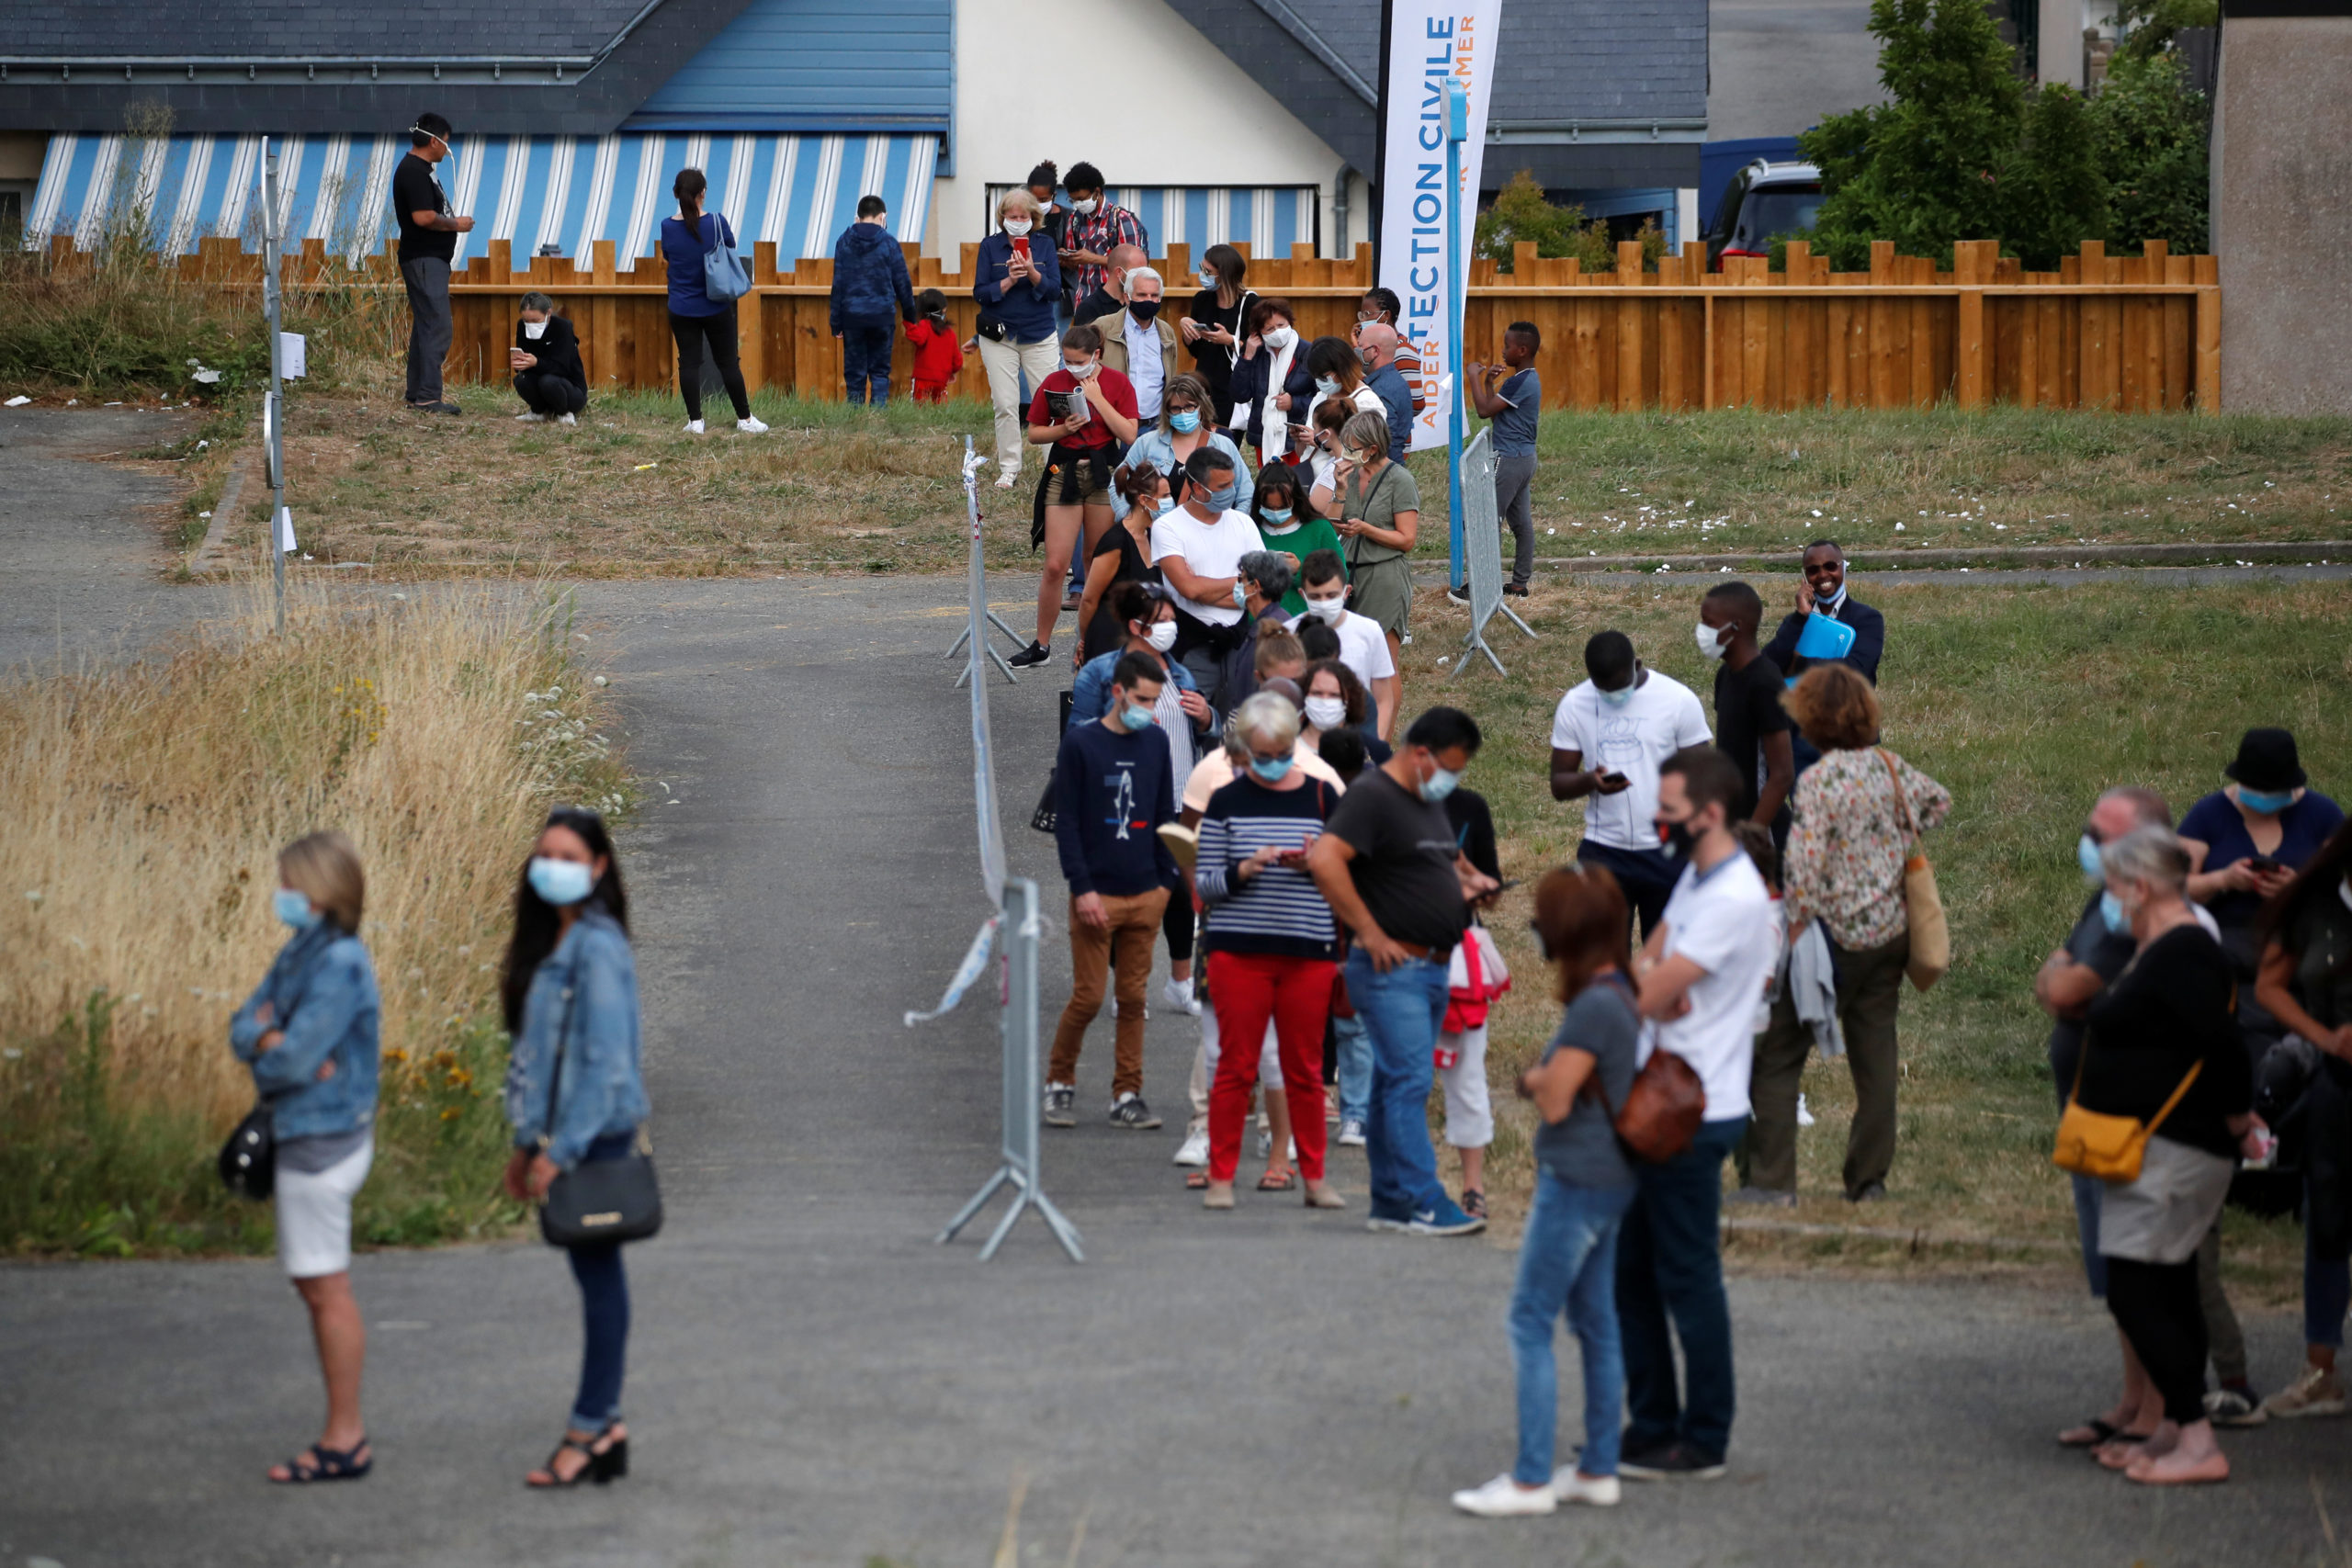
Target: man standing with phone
[[1610, 737], [1822, 592], [428, 243]]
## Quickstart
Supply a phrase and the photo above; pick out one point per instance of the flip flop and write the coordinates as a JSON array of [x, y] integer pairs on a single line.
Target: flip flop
[[1196, 1181], [1277, 1181], [2101, 1430], [2118, 1451]]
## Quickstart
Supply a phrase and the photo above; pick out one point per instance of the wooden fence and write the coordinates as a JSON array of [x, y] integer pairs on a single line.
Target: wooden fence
[[2128, 333]]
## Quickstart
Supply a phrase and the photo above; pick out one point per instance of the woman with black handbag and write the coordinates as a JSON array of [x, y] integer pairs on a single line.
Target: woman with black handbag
[[577, 1099], [309, 1032]]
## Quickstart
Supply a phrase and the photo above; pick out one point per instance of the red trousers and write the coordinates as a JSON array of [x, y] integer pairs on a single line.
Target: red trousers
[[930, 392], [1248, 989]]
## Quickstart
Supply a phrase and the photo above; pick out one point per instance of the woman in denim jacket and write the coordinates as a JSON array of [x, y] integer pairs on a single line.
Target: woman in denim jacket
[[309, 1033], [571, 994]]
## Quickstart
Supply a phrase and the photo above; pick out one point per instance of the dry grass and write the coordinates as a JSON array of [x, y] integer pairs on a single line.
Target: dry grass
[[144, 809], [2024, 701]]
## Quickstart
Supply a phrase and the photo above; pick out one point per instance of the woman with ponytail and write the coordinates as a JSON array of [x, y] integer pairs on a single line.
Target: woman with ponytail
[[696, 319]]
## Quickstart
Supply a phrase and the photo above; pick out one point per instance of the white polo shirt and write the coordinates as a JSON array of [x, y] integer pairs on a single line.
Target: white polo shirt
[[1723, 922]]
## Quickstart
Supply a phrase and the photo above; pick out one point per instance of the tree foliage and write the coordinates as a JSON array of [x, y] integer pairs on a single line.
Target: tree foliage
[[1520, 213]]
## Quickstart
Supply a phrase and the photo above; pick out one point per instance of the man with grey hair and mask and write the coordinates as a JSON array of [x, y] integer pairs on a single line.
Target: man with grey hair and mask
[[1138, 343], [428, 243], [1198, 545]]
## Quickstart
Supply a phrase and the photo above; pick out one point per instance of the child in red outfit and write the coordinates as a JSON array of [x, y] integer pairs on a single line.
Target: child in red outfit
[[939, 358]]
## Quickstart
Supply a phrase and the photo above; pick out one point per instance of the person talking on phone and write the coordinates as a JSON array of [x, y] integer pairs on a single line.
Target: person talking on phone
[[429, 233], [545, 358], [1018, 285], [1609, 735]]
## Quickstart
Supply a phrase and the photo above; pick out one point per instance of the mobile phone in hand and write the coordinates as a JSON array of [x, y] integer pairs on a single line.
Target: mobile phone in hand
[[2263, 863], [1611, 777], [1020, 245]]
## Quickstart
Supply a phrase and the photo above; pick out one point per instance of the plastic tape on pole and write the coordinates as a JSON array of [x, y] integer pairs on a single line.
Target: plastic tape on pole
[[975, 959]]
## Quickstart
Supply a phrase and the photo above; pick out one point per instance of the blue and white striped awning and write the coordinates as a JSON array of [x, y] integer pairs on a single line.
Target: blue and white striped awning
[[535, 191]]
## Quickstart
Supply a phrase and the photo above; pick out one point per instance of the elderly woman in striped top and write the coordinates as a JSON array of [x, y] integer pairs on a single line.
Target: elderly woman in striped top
[[1271, 945]]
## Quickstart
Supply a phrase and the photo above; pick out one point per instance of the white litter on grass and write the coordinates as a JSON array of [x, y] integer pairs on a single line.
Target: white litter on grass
[[19, 401], [601, 681], [1805, 1117], [401, 596], [204, 514], [1816, 512], [1899, 527], [1551, 530]]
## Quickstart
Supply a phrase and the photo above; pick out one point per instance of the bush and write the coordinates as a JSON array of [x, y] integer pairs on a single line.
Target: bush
[[2153, 135], [1521, 213]]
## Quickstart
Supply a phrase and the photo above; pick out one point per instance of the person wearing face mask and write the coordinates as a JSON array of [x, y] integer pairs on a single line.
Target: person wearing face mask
[[1860, 811], [1263, 578], [1084, 412], [1271, 386], [1376, 346], [1183, 427], [2161, 1047], [429, 233], [1380, 307], [575, 1093], [1213, 325], [1337, 369], [1122, 555], [1699, 975], [1335, 699], [1380, 518], [1198, 547], [1510, 396], [1097, 226], [1284, 522], [1271, 943], [549, 375], [1110, 297], [1389, 866], [1363, 644], [1053, 220], [1141, 344], [310, 1035], [2071, 978], [1018, 283], [1750, 724], [1111, 794], [1610, 737]]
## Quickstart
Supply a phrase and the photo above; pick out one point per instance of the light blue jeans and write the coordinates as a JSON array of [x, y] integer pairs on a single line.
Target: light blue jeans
[[1355, 1068], [1401, 1010], [1567, 1260]]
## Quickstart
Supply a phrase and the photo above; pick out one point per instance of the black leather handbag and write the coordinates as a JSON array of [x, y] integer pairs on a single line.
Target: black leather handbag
[[249, 1160], [602, 1200]]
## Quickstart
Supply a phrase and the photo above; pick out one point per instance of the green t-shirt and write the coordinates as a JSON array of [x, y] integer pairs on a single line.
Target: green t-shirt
[[1314, 534], [1390, 492]]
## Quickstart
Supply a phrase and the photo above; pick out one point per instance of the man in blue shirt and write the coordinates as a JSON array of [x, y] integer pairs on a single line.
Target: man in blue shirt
[[1112, 792], [1512, 407], [1377, 343], [1822, 591]]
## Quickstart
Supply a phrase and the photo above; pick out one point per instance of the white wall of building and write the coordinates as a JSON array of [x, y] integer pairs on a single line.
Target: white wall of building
[[1160, 104]]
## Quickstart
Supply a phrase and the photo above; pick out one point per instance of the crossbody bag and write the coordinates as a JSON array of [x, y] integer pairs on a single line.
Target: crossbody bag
[[602, 1199]]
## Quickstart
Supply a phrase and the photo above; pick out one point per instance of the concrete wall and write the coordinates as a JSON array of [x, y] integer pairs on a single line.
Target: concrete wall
[[1132, 88], [2282, 214]]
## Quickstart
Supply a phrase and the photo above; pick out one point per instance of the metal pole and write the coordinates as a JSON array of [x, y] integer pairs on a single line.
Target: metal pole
[[975, 633], [274, 409], [1457, 130]]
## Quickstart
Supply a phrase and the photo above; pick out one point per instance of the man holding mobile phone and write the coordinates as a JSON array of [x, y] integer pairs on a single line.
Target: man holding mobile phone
[[1610, 737], [429, 233]]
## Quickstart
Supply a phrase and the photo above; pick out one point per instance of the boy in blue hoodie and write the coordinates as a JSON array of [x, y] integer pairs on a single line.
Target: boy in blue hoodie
[[869, 280]]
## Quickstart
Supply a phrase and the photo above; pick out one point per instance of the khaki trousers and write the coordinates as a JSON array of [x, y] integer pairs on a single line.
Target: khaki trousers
[[1090, 954], [1870, 985]]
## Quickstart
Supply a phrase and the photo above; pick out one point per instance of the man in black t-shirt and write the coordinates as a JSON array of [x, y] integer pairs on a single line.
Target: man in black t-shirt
[[1750, 724], [428, 240]]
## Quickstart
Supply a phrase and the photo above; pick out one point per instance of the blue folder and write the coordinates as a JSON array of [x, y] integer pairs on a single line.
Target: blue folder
[[1823, 639]]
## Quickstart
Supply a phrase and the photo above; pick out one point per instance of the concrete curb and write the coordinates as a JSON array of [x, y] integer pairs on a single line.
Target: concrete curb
[[216, 532], [2021, 555]]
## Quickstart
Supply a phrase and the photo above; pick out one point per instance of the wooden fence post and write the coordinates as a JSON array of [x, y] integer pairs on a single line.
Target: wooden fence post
[[1970, 264]]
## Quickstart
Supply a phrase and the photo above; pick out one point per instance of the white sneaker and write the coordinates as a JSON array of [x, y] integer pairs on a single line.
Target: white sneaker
[[1503, 1498], [1005, 479], [1195, 1151], [1598, 1491], [2317, 1392], [529, 416], [1178, 994], [569, 419], [1351, 1134], [751, 427], [694, 427]]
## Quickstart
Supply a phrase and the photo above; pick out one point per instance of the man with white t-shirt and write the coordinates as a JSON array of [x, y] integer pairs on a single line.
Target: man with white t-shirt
[[1198, 545], [1363, 647], [1701, 973], [1609, 737]]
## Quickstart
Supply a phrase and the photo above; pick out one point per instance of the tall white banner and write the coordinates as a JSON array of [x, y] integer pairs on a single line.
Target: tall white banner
[[1430, 43]]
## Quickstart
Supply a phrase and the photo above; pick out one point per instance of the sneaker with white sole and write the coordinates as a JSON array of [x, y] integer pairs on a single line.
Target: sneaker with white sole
[[751, 427], [2228, 1407], [694, 427], [530, 416], [1004, 480], [1503, 1498], [1594, 1491], [569, 419], [1350, 1132], [1062, 1105], [1131, 1114], [1445, 1218], [1675, 1461], [1178, 994], [2317, 1392], [1194, 1150]]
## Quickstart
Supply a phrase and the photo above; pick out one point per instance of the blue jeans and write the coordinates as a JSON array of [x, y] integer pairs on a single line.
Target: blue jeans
[[1401, 1010], [2089, 1192], [1568, 1260], [604, 1310], [866, 356], [1355, 1068], [1646, 877], [1669, 1263]]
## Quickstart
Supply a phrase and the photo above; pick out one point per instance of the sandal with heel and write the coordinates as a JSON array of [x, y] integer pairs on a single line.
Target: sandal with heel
[[605, 1464], [326, 1464]]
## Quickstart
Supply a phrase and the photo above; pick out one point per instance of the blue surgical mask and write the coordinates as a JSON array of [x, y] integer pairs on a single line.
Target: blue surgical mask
[[1221, 499], [2112, 910], [560, 882], [1276, 514], [294, 908], [1440, 784], [2086, 856], [2268, 802], [1240, 595], [1620, 697], [1327, 384], [1183, 422], [1163, 506], [1270, 769], [1136, 716]]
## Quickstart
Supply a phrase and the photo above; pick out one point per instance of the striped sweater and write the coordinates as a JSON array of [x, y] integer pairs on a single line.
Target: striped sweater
[[1277, 912]]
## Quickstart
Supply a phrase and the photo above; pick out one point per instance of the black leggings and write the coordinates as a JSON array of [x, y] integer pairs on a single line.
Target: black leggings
[[2156, 1305], [719, 331]]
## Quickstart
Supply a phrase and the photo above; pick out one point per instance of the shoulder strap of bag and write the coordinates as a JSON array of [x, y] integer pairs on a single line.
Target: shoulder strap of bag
[[1901, 797], [2158, 1119]]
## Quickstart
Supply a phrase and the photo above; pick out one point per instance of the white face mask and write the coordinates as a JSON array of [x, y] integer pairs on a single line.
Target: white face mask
[[1329, 609], [1016, 227], [1085, 208], [1279, 337], [1163, 636], [1083, 372], [535, 330], [1327, 713], [1709, 640]]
